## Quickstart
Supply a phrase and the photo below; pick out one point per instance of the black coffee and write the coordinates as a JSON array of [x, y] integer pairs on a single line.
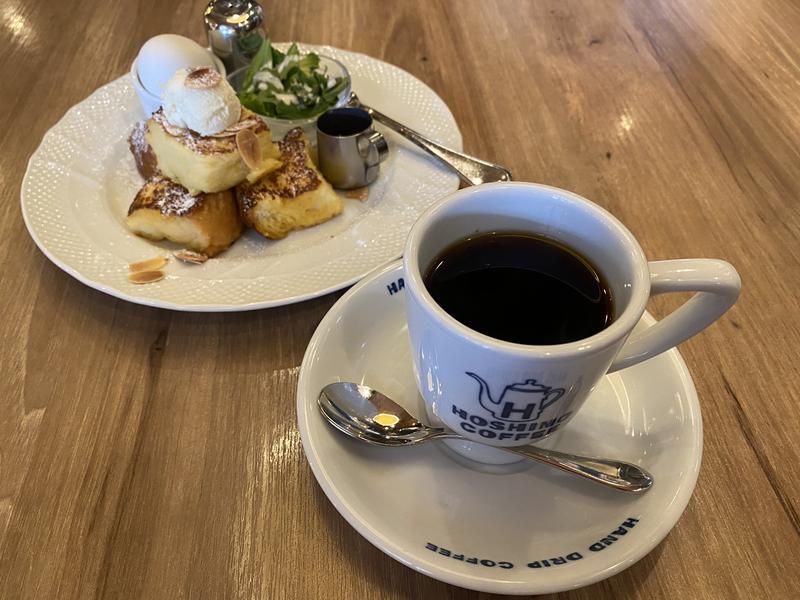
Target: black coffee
[[520, 288]]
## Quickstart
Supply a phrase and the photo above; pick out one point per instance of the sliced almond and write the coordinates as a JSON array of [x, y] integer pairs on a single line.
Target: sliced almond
[[190, 256], [173, 130], [202, 78], [151, 264], [230, 131], [146, 276], [268, 166], [358, 193], [249, 148]]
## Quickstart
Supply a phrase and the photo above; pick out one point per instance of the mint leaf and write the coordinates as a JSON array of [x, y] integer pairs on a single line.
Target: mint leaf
[[301, 75], [260, 58]]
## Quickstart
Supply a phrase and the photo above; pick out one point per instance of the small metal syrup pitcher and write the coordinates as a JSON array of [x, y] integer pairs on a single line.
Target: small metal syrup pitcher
[[349, 149]]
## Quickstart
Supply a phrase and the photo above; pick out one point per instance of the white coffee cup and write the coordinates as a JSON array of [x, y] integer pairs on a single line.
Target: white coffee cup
[[501, 393]]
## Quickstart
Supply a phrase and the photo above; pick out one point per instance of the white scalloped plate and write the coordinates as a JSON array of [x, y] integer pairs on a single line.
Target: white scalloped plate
[[82, 178]]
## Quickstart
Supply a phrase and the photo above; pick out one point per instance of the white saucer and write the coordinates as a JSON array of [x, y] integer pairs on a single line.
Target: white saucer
[[530, 532]]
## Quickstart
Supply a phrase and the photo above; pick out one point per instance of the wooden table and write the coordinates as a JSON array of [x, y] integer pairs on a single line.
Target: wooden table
[[154, 454]]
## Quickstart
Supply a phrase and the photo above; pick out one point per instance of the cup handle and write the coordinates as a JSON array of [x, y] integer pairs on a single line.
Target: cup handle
[[717, 285], [373, 147]]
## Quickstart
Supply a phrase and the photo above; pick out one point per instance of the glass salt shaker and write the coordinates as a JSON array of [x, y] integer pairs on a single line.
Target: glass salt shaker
[[235, 29]]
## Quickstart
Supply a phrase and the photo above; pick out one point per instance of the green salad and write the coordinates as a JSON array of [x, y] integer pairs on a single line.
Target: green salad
[[289, 85]]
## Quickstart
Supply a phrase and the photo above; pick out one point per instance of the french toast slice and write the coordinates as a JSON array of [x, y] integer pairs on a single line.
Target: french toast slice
[[294, 196], [205, 223], [143, 154], [206, 163]]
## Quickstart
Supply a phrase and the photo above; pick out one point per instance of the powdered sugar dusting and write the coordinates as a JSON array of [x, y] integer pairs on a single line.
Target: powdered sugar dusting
[[164, 195], [202, 78], [143, 155], [176, 200], [136, 140]]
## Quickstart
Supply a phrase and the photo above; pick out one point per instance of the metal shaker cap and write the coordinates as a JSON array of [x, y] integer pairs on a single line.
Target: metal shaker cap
[[235, 30]]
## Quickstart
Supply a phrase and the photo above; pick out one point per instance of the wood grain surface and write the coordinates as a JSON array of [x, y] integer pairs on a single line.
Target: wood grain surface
[[153, 454]]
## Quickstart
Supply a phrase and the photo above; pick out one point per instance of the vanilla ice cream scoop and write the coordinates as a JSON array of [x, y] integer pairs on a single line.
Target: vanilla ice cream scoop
[[201, 100]]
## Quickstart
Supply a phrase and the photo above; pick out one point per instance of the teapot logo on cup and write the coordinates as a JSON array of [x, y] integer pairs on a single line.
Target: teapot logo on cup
[[518, 402], [518, 413]]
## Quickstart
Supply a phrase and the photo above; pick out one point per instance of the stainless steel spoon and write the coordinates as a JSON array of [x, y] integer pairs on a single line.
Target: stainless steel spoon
[[365, 414], [473, 171]]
